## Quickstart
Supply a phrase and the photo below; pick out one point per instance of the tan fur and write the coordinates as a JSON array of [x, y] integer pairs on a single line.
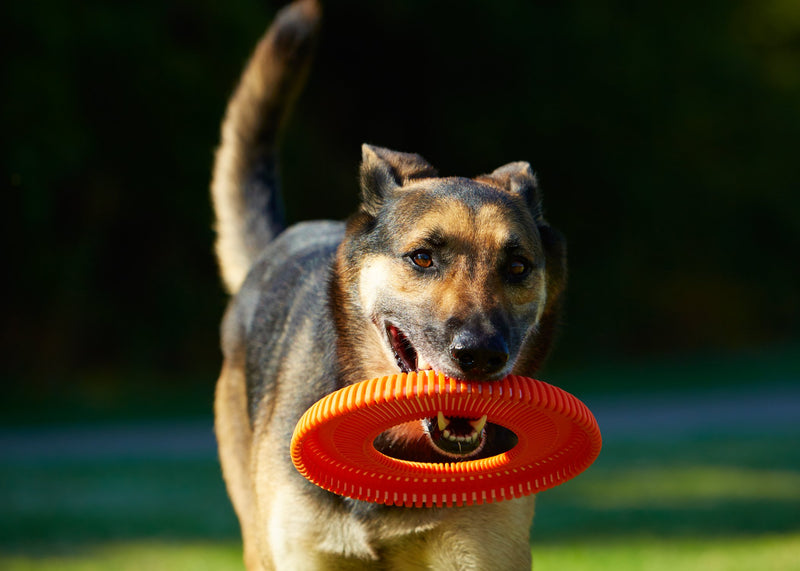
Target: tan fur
[[231, 427]]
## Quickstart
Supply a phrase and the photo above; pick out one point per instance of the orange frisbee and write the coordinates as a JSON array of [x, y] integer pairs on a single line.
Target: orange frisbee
[[332, 446]]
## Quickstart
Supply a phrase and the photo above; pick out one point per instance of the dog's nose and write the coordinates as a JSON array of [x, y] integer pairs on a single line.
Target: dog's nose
[[479, 357]]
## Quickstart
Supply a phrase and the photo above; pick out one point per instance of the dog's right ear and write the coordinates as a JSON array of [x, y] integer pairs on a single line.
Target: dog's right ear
[[384, 170], [518, 178]]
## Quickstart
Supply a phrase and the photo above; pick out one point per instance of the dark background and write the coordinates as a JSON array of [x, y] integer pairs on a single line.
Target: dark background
[[665, 136]]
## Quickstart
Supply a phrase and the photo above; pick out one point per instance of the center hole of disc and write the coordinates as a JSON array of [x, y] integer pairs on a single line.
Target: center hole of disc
[[414, 442]]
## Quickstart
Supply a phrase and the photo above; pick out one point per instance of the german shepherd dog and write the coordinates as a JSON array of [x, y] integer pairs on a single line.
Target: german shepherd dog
[[459, 275]]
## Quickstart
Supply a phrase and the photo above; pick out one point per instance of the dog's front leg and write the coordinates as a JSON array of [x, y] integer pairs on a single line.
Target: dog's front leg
[[492, 536]]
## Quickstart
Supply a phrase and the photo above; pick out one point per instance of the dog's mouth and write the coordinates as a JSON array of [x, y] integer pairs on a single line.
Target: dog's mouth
[[405, 355], [452, 437], [456, 437]]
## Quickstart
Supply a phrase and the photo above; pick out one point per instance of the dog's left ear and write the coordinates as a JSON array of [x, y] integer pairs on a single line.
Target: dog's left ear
[[519, 178], [384, 170]]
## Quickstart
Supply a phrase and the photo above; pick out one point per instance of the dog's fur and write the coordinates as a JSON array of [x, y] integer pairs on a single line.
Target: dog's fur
[[460, 275]]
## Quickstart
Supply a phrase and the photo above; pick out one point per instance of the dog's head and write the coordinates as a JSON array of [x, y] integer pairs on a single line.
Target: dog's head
[[458, 275]]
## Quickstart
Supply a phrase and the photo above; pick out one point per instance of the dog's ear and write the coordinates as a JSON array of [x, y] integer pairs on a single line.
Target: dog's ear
[[519, 178], [383, 170]]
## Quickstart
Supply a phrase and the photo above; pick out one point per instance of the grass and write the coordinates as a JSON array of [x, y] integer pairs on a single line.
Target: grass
[[772, 553], [153, 555], [716, 504], [58, 505], [719, 487], [763, 553]]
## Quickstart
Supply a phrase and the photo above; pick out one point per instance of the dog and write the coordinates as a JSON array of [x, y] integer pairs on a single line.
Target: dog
[[460, 275]]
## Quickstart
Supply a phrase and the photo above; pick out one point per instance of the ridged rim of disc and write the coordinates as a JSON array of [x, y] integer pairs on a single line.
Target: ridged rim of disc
[[332, 446]]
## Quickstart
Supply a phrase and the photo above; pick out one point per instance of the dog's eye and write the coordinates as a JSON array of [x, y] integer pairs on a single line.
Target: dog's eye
[[422, 259], [518, 267]]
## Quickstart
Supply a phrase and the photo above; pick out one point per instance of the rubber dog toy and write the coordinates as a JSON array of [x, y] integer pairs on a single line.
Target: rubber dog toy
[[557, 439]]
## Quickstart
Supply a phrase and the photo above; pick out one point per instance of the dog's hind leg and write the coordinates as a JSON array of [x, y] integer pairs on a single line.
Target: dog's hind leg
[[244, 187]]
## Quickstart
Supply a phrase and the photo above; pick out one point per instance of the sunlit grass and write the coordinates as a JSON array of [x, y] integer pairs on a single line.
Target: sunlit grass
[[135, 556], [768, 553]]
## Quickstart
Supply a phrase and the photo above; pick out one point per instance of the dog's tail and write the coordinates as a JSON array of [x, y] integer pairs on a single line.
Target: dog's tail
[[244, 186]]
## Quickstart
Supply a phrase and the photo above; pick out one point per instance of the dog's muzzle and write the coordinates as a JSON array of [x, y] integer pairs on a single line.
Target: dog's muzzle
[[453, 437]]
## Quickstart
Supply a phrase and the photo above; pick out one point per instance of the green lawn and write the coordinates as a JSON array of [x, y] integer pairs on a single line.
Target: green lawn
[[768, 553], [718, 504], [725, 503], [760, 553]]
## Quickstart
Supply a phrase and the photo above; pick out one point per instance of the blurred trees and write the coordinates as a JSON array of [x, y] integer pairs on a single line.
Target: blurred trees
[[665, 137]]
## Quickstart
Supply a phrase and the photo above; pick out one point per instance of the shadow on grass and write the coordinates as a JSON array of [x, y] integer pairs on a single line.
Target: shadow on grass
[[59, 505], [707, 520]]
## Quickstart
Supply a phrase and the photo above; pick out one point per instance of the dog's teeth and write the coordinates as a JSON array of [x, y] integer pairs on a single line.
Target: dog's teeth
[[444, 425], [422, 364], [478, 425]]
